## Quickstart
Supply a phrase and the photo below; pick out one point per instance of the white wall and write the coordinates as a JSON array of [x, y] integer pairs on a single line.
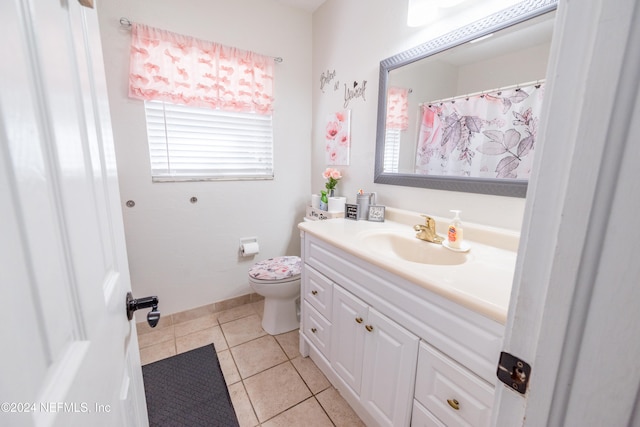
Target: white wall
[[185, 253], [352, 37]]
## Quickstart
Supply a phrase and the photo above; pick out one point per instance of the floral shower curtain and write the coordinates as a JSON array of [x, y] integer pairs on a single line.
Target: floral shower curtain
[[485, 136], [166, 66]]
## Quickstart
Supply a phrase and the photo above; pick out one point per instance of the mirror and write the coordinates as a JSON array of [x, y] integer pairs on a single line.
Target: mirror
[[499, 60]]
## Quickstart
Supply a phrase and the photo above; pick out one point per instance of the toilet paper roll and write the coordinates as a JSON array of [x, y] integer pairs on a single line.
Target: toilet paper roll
[[249, 249], [315, 201], [336, 204]]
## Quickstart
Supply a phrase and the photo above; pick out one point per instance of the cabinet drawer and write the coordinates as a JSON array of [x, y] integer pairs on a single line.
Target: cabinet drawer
[[420, 417], [317, 329], [318, 291], [455, 395]]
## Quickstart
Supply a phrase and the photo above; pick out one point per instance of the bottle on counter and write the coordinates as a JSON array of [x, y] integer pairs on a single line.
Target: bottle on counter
[[455, 231]]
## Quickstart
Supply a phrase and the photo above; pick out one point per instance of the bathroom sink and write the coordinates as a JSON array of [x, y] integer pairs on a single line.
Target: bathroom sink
[[409, 248]]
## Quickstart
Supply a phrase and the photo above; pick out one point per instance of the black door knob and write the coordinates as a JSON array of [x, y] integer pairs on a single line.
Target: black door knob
[[153, 317]]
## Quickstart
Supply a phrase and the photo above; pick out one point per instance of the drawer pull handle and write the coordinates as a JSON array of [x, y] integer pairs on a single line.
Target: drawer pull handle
[[314, 292], [454, 404], [358, 319], [313, 330], [369, 328]]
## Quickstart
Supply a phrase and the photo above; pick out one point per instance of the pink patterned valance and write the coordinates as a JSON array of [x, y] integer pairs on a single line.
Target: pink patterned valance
[[170, 67], [397, 108]]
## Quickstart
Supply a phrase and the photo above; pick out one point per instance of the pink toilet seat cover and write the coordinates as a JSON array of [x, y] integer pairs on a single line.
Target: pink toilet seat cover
[[277, 268]]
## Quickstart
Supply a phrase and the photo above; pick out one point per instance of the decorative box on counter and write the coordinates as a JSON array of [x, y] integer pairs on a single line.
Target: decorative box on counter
[[317, 214]]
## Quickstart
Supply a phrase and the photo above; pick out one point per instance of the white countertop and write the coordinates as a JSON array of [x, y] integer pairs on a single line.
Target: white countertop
[[482, 284]]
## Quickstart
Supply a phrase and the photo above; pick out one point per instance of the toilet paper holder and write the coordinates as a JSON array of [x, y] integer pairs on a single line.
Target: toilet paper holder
[[248, 246]]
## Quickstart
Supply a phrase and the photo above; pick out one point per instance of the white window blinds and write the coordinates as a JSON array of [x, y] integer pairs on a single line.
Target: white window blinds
[[189, 143], [391, 150]]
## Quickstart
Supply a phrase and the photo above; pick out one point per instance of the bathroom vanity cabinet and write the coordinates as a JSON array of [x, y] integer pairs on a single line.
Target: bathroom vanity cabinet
[[399, 353]]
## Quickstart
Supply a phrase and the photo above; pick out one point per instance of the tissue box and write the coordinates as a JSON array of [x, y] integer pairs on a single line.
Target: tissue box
[[317, 214]]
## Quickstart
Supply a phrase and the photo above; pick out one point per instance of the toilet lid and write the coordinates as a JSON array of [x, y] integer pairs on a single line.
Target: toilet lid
[[277, 268]]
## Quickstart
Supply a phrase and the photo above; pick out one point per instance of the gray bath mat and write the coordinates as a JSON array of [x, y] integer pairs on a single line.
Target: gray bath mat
[[188, 390]]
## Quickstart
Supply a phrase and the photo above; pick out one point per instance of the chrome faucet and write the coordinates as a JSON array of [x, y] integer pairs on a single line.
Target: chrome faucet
[[427, 231]]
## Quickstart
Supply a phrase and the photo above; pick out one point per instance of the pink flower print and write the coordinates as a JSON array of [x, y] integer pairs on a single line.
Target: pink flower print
[[151, 68], [158, 79], [343, 139], [244, 93], [204, 87], [142, 51], [205, 61], [243, 82], [183, 47], [183, 73], [150, 42], [340, 116], [333, 155], [249, 71], [174, 59], [332, 130], [178, 84], [141, 79], [210, 76], [228, 70]]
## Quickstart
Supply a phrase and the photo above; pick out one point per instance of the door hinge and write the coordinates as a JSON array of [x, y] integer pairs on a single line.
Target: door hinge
[[514, 372]]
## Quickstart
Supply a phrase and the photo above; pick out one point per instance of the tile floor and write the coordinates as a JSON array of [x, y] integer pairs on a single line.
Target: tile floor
[[269, 382]]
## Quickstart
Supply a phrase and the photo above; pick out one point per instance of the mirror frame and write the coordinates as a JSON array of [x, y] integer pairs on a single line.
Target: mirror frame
[[516, 14]]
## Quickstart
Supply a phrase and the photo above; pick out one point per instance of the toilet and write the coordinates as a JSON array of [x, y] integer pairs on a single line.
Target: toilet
[[278, 281]]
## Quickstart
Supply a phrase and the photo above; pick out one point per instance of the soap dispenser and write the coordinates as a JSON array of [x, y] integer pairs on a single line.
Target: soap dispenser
[[455, 232]]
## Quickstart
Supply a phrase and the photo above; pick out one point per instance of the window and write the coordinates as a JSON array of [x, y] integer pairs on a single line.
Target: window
[[190, 143], [209, 107], [391, 150]]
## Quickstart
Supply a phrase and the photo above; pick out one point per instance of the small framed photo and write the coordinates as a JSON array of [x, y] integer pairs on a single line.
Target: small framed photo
[[376, 213], [351, 211]]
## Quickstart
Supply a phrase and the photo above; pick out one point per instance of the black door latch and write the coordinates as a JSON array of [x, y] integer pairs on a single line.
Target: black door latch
[[514, 372]]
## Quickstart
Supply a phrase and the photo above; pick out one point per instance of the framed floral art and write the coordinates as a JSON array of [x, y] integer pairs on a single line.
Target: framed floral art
[[338, 138]]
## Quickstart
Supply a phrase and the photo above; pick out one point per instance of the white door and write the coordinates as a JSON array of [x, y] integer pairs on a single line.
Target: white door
[[574, 307], [389, 371], [69, 354]]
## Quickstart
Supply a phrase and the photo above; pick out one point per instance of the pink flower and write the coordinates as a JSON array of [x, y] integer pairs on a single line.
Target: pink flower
[[335, 174], [343, 139], [340, 116], [332, 130]]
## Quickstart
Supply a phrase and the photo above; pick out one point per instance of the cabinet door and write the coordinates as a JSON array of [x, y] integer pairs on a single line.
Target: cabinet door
[[347, 337], [389, 370]]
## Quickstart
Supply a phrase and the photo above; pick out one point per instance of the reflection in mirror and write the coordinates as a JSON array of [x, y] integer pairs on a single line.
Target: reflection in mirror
[[460, 112]]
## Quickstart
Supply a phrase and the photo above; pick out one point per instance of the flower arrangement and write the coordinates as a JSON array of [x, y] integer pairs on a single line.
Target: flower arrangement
[[333, 176]]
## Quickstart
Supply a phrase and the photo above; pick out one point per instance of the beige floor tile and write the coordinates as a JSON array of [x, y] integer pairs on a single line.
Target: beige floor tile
[[166, 320], [190, 326], [156, 337], [228, 366], [290, 343], [194, 313], [338, 409], [257, 355], [308, 413], [157, 352], [243, 330], [201, 338], [236, 313], [311, 374], [242, 406], [276, 390], [259, 307]]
